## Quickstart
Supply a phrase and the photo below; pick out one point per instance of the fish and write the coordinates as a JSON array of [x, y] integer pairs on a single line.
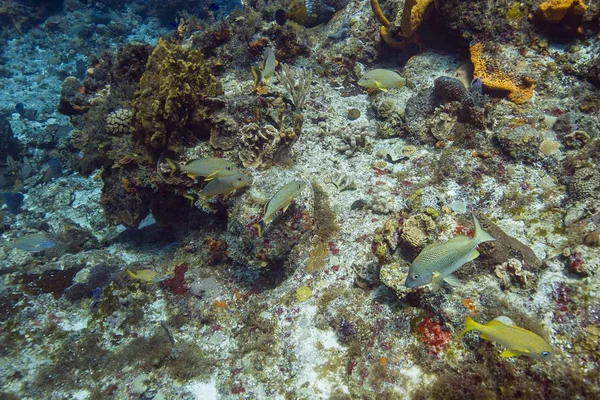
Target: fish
[[310, 13], [33, 242], [436, 262], [225, 185], [207, 167], [517, 341], [382, 79], [13, 201], [280, 200], [144, 275], [267, 68]]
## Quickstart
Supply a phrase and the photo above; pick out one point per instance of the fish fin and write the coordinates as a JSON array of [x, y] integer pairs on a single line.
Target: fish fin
[[211, 176], [470, 325], [458, 239], [286, 205], [260, 227], [173, 165], [131, 274], [481, 235], [484, 336], [473, 255], [380, 87], [509, 353], [191, 197], [505, 320], [436, 281], [452, 280], [256, 76]]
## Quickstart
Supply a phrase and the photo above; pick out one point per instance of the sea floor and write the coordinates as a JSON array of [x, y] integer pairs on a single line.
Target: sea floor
[[317, 306]]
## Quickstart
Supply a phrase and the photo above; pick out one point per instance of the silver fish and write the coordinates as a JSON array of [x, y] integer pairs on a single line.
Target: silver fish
[[280, 200], [268, 64], [225, 185], [208, 167], [32, 242], [436, 262]]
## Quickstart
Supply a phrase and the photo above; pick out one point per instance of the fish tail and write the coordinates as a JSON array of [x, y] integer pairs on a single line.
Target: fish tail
[[260, 227], [256, 76], [131, 274], [481, 235], [173, 165], [470, 325]]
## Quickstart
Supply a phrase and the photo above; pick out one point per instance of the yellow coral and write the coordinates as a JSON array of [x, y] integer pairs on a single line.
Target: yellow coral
[[519, 90], [556, 10], [412, 16], [410, 20]]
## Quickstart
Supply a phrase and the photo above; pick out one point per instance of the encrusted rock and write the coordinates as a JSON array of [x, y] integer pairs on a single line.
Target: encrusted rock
[[393, 276], [386, 108], [261, 147], [416, 231], [583, 183], [521, 143], [441, 124], [118, 122]]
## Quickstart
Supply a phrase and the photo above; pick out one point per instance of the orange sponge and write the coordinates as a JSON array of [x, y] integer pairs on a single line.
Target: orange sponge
[[556, 10], [518, 89]]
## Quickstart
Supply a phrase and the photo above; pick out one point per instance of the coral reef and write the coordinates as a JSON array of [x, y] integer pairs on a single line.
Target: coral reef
[[108, 104], [173, 100]]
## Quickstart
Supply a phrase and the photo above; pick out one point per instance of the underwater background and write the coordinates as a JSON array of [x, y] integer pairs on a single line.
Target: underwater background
[[315, 199]]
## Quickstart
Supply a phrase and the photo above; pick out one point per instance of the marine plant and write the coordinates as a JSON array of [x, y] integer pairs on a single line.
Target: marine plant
[[173, 99]]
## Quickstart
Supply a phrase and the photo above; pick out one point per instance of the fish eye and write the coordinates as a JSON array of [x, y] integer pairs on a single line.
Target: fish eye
[[545, 354], [415, 276]]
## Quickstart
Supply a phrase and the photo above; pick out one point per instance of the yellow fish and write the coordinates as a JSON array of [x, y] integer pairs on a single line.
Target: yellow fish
[[144, 275], [225, 185], [382, 79], [280, 200], [517, 341], [207, 167]]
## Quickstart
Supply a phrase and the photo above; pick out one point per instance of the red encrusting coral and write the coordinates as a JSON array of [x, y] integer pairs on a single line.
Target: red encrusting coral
[[176, 284], [433, 336]]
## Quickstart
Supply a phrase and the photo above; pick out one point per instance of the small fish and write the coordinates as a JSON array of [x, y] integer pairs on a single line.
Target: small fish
[[267, 68], [13, 201], [309, 13], [516, 340], [96, 293], [436, 262], [280, 200], [208, 167], [225, 185], [32, 242], [12, 164], [382, 79], [144, 275]]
